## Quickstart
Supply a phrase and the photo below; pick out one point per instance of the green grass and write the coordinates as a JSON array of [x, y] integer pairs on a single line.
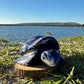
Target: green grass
[[4, 40], [70, 72], [72, 49]]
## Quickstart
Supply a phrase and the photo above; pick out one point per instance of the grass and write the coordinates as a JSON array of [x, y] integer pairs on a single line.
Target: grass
[[72, 49], [4, 40], [70, 72]]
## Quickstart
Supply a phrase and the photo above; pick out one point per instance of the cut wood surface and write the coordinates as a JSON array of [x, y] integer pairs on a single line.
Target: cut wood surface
[[37, 71]]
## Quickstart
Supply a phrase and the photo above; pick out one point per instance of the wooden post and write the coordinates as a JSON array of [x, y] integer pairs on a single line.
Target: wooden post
[[37, 71]]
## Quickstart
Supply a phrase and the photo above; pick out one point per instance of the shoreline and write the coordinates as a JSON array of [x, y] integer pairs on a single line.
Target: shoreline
[[42, 26], [56, 24]]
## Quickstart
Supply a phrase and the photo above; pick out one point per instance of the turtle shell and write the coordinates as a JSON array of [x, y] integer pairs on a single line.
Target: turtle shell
[[28, 44], [47, 43], [39, 44]]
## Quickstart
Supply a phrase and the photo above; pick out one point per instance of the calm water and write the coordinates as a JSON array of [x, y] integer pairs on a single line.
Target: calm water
[[23, 33]]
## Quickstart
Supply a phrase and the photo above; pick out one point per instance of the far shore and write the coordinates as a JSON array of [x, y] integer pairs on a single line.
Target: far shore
[[54, 24]]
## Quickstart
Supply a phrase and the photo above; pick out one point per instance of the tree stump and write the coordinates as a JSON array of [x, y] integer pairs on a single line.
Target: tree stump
[[37, 71]]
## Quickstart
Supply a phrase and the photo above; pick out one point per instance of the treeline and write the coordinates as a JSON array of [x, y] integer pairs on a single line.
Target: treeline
[[70, 24]]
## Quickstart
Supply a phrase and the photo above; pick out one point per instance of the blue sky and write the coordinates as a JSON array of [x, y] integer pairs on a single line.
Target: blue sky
[[23, 11]]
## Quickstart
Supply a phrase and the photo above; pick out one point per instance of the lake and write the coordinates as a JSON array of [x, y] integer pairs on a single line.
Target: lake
[[23, 33]]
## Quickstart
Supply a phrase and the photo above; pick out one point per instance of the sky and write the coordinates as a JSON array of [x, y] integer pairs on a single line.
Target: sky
[[29, 11]]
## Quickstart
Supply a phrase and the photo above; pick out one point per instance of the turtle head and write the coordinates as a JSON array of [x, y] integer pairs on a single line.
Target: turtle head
[[50, 57]]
